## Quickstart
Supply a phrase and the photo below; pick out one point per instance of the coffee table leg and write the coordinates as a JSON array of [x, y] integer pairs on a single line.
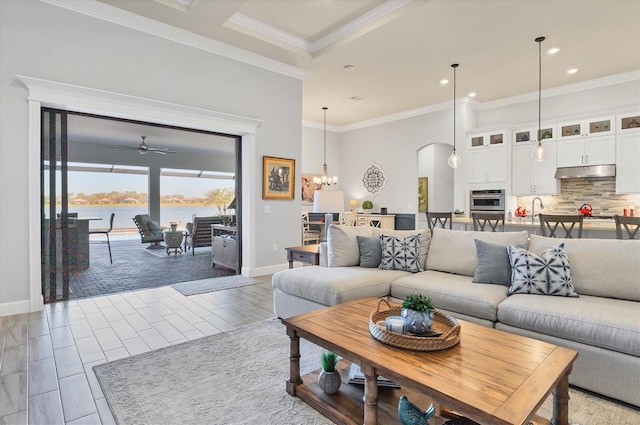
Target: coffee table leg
[[294, 362], [561, 401], [370, 395]]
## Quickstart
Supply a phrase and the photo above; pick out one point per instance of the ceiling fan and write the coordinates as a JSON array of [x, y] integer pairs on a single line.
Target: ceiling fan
[[143, 149]]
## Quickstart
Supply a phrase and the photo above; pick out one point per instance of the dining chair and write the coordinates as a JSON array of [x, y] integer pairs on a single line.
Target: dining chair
[[308, 235], [348, 218], [439, 219], [631, 225], [106, 233], [494, 220], [549, 224]]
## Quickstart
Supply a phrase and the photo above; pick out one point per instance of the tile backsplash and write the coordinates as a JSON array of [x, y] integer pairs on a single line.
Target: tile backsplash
[[599, 192]]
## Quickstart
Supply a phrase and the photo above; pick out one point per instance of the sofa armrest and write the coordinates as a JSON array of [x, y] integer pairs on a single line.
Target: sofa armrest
[[324, 259]]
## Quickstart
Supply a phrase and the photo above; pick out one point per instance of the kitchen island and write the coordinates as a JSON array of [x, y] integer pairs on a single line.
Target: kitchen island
[[593, 228]]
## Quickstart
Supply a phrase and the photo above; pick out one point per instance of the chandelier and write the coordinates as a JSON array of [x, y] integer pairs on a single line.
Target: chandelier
[[325, 179]]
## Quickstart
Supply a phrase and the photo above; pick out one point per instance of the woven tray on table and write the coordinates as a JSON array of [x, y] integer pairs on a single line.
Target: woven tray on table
[[444, 323]]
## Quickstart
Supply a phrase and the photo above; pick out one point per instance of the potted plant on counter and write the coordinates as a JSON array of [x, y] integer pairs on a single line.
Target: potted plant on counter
[[367, 206], [418, 310], [329, 378]]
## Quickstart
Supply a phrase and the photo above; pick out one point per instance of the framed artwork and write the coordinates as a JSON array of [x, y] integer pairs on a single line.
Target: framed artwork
[[278, 177], [309, 188], [423, 194], [374, 179]]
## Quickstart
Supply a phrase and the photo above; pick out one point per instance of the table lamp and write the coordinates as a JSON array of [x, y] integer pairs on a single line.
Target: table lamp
[[328, 202], [353, 204]]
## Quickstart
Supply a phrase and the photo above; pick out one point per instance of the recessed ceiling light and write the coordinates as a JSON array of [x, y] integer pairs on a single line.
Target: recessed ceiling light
[[444, 81], [472, 94], [553, 51], [572, 71], [349, 67]]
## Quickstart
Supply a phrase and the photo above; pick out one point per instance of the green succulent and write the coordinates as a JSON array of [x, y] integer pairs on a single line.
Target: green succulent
[[418, 302], [329, 361], [367, 205]]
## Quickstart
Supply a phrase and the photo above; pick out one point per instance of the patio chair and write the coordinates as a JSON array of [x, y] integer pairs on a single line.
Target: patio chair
[[200, 232], [150, 231], [106, 233]]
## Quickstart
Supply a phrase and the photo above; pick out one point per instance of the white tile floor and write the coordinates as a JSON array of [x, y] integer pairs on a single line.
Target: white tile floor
[[46, 358]]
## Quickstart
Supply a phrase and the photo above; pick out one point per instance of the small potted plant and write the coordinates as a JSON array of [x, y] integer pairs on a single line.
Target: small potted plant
[[329, 379], [418, 310], [367, 206]]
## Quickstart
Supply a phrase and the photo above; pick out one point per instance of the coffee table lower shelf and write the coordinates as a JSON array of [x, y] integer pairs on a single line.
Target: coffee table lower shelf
[[346, 406]]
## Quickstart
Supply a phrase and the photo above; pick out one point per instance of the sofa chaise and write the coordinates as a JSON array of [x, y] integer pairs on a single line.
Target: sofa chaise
[[602, 322]]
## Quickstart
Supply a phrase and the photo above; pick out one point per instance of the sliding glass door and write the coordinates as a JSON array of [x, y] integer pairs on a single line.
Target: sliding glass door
[[59, 231]]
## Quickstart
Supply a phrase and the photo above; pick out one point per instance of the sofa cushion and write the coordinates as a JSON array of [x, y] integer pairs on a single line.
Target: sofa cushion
[[370, 251], [601, 322], [546, 274], [425, 240], [599, 267], [154, 227], [454, 251], [493, 264], [454, 293], [400, 254], [342, 244], [335, 285]]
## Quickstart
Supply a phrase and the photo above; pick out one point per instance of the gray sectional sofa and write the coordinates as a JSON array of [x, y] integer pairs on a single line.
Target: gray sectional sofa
[[602, 323]]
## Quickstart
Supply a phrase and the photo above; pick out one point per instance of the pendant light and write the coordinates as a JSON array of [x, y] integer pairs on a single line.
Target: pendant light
[[539, 152], [325, 179], [454, 160]]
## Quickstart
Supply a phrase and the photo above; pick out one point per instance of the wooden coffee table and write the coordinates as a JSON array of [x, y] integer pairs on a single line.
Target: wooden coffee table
[[490, 376]]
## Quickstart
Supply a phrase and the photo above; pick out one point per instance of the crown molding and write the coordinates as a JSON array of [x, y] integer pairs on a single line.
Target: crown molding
[[567, 89], [350, 30], [89, 100], [130, 20]]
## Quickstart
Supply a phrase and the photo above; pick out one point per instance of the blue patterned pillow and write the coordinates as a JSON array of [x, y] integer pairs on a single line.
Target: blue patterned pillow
[[400, 253], [547, 274]]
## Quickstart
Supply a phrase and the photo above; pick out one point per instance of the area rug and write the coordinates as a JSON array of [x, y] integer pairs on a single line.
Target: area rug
[[214, 284], [238, 377]]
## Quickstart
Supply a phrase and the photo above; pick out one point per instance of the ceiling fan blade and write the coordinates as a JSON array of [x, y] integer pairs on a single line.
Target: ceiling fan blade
[[161, 150]]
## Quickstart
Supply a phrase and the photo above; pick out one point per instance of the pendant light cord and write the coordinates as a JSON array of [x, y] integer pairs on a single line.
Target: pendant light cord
[[325, 136], [454, 66], [539, 40]]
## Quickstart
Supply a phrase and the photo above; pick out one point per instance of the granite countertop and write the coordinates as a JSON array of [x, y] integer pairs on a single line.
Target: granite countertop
[[525, 222]]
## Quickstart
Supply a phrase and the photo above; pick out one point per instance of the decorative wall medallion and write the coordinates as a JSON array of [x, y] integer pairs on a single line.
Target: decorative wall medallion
[[374, 179]]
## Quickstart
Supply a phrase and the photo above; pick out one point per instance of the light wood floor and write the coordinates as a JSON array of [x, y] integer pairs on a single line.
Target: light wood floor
[[46, 358]]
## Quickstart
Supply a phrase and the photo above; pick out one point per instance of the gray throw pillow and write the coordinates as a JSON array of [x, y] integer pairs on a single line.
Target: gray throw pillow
[[370, 251], [154, 227], [400, 254], [546, 274], [492, 263]]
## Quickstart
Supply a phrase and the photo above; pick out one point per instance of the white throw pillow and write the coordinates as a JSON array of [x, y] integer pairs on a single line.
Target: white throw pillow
[[425, 240], [546, 274], [342, 244]]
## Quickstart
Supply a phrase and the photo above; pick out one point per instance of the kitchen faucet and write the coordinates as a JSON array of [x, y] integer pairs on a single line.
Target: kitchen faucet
[[533, 208]]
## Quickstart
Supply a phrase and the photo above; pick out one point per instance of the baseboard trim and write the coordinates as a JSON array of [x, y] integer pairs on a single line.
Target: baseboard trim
[[261, 271], [16, 307]]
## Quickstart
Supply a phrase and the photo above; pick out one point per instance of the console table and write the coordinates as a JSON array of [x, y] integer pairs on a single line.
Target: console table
[[387, 221]]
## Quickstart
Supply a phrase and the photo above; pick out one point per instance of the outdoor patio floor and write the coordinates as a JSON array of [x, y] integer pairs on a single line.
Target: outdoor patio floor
[[136, 267]]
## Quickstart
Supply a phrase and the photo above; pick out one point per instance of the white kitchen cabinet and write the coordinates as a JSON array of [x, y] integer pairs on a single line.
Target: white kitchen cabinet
[[628, 123], [525, 136], [488, 157], [529, 176], [628, 162], [587, 142]]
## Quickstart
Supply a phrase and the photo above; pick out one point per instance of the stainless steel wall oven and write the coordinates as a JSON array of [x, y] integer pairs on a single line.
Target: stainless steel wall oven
[[489, 200]]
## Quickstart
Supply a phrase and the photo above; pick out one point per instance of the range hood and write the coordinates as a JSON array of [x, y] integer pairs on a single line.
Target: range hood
[[586, 171]]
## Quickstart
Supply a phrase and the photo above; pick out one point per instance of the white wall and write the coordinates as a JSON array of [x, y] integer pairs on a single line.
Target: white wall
[[47, 42], [394, 147]]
